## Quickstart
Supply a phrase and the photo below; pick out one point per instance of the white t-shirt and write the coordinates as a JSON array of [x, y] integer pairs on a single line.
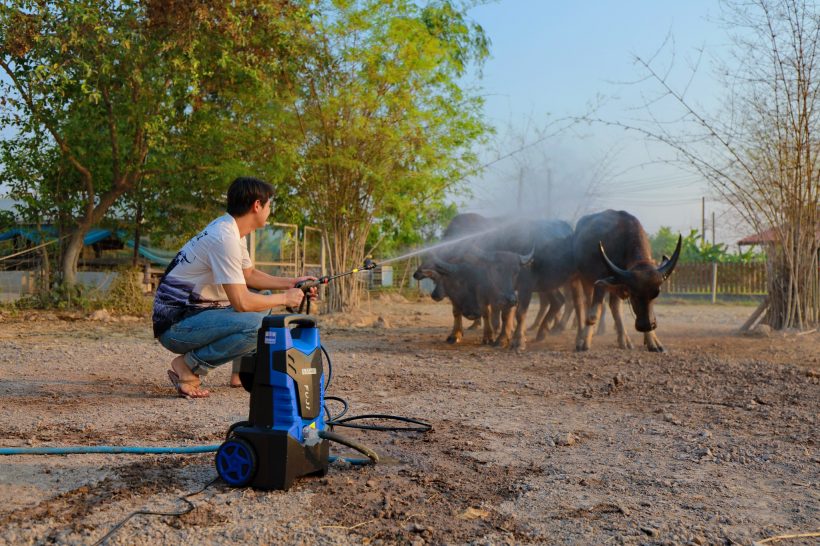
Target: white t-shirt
[[193, 281]]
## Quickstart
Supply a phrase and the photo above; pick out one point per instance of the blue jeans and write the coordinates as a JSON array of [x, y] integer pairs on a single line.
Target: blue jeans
[[213, 337]]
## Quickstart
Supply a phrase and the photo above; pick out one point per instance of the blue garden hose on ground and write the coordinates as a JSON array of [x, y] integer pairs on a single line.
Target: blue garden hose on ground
[[104, 449], [73, 450]]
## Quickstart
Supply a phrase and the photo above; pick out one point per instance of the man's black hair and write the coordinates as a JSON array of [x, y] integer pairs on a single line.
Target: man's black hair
[[244, 192]]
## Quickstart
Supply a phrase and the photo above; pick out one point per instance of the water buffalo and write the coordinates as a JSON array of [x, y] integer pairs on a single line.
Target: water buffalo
[[483, 282], [551, 244], [612, 254], [461, 234]]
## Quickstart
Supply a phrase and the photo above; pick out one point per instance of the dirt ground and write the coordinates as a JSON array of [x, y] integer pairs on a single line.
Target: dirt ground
[[715, 442]]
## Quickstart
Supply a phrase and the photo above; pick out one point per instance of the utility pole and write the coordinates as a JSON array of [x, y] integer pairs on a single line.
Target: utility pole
[[702, 220], [713, 228]]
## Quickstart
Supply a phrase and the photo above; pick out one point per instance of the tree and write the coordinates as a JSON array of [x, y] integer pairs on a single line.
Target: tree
[[695, 249], [760, 153], [385, 127], [134, 94]]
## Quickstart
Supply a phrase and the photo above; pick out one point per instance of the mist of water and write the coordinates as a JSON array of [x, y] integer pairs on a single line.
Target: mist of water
[[447, 243]]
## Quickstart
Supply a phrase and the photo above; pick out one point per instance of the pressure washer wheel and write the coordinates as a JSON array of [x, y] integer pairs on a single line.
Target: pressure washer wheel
[[236, 462]]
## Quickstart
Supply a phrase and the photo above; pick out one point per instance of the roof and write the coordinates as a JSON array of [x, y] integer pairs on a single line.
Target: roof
[[95, 235], [765, 237]]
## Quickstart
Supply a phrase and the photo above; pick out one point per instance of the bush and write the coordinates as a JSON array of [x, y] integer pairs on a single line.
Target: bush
[[125, 296]]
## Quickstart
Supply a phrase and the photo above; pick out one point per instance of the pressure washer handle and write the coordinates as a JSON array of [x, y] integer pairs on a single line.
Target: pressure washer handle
[[305, 287]]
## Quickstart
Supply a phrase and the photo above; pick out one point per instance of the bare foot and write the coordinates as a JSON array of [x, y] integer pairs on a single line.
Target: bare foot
[[235, 381], [186, 382]]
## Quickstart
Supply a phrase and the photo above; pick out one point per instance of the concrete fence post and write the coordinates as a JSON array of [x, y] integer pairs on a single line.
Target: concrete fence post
[[714, 281]]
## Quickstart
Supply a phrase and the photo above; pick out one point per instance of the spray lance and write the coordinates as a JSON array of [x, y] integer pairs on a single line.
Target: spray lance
[[306, 285]]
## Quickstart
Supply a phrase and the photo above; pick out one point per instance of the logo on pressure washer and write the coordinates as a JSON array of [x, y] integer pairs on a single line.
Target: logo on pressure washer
[[307, 397], [270, 337], [308, 371]]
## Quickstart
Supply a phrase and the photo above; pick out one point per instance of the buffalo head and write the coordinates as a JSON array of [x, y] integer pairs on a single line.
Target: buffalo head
[[461, 285], [427, 271], [641, 284]]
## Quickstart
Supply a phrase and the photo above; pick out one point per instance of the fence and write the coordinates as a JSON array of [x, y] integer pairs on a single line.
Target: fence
[[741, 279], [285, 250]]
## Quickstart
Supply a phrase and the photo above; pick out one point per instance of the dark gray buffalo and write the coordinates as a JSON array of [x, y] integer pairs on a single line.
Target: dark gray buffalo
[[463, 232], [612, 254], [477, 285], [550, 242]]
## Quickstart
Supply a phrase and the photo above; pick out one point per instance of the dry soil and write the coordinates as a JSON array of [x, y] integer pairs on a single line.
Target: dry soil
[[715, 442]]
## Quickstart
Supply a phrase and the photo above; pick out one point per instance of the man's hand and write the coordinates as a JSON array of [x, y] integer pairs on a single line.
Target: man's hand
[[314, 290], [293, 297]]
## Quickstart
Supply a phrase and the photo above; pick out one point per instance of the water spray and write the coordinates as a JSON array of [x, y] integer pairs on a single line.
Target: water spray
[[446, 243]]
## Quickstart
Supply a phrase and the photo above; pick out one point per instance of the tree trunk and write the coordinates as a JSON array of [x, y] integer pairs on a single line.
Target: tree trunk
[[75, 242], [72, 253], [346, 253]]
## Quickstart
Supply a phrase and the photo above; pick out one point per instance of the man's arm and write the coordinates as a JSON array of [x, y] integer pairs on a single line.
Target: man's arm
[[260, 280], [244, 300]]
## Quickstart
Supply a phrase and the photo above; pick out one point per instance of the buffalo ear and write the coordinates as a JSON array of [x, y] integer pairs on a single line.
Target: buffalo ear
[[424, 273]]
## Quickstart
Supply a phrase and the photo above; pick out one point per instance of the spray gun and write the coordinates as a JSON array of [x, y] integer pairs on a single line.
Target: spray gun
[[306, 285]]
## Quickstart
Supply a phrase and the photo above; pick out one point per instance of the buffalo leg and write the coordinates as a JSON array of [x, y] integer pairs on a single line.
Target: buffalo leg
[[543, 302], [652, 342], [495, 315], [579, 302], [519, 338], [458, 329], [561, 324], [557, 301], [616, 308], [507, 317], [566, 316], [487, 337], [593, 315]]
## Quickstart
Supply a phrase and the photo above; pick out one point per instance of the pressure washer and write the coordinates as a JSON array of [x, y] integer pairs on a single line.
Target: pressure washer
[[287, 432]]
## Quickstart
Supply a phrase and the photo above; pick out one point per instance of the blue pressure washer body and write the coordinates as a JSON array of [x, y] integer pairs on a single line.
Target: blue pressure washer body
[[279, 442]]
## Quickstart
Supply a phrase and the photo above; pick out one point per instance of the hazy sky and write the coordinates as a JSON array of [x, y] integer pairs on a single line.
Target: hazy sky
[[552, 60]]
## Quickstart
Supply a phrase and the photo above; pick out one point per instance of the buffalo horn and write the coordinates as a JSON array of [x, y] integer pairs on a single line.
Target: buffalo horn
[[620, 274], [666, 268], [527, 260]]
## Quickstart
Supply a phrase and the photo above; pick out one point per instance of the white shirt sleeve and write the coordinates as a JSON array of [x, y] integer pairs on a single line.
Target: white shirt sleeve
[[227, 261], [246, 258]]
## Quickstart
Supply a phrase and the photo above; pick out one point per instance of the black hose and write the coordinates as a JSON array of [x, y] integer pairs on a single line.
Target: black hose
[[346, 422], [339, 439], [182, 512], [344, 409], [233, 426], [329, 368]]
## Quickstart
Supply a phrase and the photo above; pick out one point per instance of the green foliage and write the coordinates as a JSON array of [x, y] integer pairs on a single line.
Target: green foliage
[[693, 250], [163, 100], [61, 296], [385, 130], [354, 110], [124, 296]]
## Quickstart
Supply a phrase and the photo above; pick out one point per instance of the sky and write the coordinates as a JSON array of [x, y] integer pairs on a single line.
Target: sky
[[551, 61]]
